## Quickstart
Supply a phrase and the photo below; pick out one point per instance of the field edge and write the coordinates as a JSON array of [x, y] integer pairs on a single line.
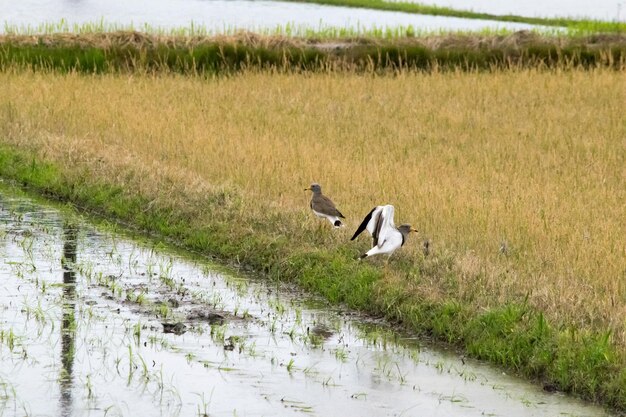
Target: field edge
[[512, 336], [145, 53]]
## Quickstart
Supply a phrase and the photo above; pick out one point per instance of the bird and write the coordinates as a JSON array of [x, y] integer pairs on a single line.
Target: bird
[[386, 237], [323, 206]]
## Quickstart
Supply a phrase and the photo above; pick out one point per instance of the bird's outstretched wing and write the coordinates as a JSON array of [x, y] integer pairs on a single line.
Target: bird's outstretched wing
[[379, 222], [365, 223], [385, 226]]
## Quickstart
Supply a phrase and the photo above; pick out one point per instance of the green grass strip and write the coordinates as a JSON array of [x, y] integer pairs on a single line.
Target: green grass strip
[[513, 336], [131, 51], [582, 25]]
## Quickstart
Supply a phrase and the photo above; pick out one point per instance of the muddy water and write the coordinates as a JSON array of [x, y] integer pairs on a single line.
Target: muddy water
[[93, 323]]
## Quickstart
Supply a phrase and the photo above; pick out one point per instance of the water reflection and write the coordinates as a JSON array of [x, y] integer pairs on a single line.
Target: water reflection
[[275, 353], [68, 321]]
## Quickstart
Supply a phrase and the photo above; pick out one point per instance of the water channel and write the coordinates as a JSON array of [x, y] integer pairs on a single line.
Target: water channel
[[93, 323]]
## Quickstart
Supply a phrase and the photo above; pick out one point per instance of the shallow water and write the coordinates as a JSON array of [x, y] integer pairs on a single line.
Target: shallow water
[[608, 10], [81, 333], [222, 15]]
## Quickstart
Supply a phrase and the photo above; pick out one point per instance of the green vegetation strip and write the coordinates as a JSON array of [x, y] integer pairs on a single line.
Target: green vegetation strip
[[513, 336], [584, 25], [132, 51]]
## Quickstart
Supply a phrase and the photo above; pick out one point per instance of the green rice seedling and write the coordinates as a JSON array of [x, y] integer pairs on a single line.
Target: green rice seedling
[[314, 340], [36, 312], [218, 332], [414, 354], [137, 332], [273, 326], [277, 305], [251, 350], [116, 289], [216, 301], [298, 312], [153, 340], [163, 310], [43, 287], [8, 337], [204, 406], [341, 354], [140, 298], [167, 281], [468, 376], [310, 371]]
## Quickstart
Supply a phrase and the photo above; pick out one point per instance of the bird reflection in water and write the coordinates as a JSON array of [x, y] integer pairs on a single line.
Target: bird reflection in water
[[68, 323]]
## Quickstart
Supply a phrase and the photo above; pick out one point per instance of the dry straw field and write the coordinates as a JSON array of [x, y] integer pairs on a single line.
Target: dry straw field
[[518, 177]]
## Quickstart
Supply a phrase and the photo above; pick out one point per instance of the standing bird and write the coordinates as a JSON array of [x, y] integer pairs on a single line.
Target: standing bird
[[323, 206], [386, 237]]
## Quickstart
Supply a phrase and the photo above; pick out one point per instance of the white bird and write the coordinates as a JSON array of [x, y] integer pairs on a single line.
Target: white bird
[[387, 238]]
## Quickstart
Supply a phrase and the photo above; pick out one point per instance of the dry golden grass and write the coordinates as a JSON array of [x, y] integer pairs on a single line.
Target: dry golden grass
[[530, 162]]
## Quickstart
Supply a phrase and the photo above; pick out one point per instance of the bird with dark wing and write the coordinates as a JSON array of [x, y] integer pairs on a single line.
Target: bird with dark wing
[[386, 237], [323, 206]]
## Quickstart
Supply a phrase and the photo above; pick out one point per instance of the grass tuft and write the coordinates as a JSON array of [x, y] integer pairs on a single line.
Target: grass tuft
[[143, 53]]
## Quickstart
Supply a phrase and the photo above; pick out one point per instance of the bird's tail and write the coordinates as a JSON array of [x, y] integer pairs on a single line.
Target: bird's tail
[[362, 256]]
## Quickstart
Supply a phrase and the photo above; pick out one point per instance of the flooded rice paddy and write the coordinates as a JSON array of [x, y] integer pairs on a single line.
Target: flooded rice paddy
[[607, 10], [93, 323], [226, 15]]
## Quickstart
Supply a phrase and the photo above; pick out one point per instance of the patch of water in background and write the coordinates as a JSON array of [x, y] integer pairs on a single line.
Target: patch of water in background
[[607, 10], [227, 15], [81, 313]]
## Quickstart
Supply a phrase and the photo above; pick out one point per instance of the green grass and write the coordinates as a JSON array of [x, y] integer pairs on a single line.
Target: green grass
[[513, 335], [130, 51]]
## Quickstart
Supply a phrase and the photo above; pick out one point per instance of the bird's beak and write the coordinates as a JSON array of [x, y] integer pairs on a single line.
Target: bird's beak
[[307, 189], [414, 230]]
